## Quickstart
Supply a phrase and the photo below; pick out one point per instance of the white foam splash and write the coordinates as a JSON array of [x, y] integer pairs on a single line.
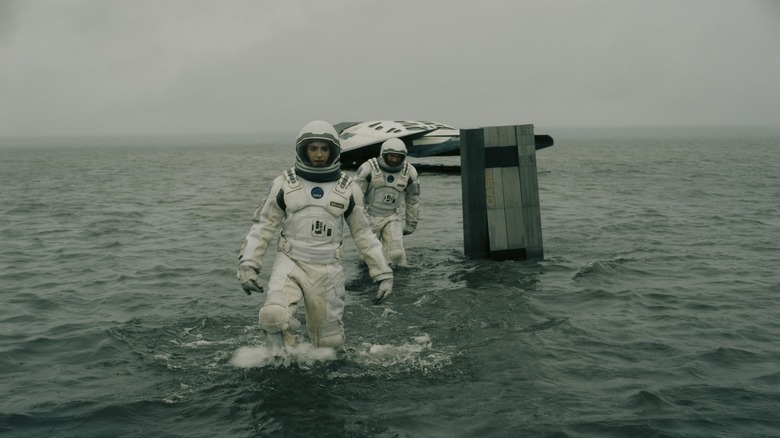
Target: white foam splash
[[302, 355], [388, 354], [416, 355]]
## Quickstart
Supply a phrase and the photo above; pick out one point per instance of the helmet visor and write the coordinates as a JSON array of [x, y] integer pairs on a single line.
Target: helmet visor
[[317, 152]]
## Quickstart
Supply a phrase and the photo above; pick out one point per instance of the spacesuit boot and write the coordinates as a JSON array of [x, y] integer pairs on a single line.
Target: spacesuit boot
[[274, 341], [283, 340]]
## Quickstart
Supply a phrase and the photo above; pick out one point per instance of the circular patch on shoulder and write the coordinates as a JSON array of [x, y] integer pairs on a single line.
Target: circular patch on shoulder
[[390, 178], [317, 192]]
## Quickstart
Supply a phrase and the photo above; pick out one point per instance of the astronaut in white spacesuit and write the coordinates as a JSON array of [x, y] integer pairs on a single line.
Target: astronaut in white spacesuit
[[386, 181], [310, 202]]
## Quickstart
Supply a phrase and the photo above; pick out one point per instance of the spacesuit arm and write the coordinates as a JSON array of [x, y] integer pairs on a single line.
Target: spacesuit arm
[[363, 177], [267, 218], [412, 200], [366, 241]]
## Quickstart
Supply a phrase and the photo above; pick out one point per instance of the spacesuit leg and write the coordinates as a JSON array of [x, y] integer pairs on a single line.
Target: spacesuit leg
[[324, 297], [379, 225], [392, 239], [277, 316]]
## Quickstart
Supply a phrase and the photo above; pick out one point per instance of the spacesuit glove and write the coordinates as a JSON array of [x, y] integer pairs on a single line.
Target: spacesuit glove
[[250, 281], [409, 229], [385, 288]]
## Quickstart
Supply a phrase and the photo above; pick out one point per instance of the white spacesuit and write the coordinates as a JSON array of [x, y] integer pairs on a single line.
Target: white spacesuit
[[386, 181], [310, 203]]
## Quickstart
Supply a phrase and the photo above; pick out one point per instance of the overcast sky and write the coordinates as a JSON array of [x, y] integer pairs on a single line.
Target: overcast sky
[[138, 67]]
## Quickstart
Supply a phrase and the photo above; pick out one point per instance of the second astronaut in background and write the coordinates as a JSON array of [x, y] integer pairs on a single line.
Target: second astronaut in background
[[392, 197]]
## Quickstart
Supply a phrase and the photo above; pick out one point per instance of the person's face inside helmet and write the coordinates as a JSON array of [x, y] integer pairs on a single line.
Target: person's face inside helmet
[[318, 153], [393, 159]]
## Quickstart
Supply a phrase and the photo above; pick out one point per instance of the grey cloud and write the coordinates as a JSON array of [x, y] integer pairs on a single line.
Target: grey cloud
[[145, 67]]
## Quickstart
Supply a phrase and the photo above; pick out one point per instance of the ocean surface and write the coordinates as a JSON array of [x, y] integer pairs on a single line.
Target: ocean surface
[[655, 312]]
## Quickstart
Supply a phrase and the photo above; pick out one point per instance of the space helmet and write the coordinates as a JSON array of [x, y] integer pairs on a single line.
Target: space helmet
[[320, 131], [392, 146]]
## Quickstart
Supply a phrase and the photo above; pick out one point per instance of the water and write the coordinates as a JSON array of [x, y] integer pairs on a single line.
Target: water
[[653, 314]]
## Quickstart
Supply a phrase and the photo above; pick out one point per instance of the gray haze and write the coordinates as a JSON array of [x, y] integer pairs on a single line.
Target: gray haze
[[147, 67]]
